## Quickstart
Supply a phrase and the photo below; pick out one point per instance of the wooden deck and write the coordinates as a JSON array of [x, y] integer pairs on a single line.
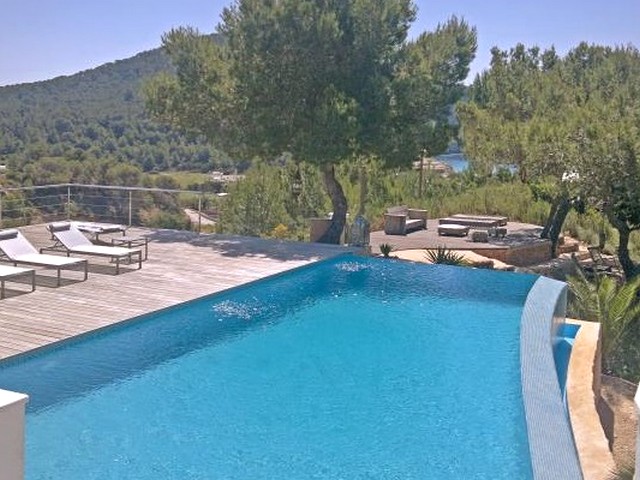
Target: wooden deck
[[181, 266]]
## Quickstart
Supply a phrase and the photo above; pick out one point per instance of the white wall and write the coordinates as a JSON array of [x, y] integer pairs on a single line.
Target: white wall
[[12, 407], [637, 399]]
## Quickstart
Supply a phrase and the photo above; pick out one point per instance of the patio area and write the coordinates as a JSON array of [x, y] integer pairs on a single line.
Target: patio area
[[522, 246], [181, 266]]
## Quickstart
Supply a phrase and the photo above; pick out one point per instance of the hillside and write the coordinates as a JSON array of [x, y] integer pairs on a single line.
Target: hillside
[[97, 113]]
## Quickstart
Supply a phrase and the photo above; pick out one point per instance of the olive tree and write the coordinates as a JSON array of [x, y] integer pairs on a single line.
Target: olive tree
[[569, 124]]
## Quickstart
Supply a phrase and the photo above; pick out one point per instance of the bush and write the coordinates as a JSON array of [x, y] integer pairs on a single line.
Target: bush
[[386, 249], [445, 256], [617, 309], [155, 218]]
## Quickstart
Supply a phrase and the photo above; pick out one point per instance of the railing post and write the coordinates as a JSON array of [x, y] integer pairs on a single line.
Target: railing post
[[130, 203], [1, 193], [200, 213], [68, 202]]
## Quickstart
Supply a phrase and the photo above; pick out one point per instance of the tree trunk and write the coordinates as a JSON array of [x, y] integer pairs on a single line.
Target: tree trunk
[[339, 203], [552, 214], [553, 228], [628, 267], [364, 190]]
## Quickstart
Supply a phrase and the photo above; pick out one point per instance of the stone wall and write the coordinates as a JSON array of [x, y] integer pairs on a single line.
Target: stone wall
[[520, 256]]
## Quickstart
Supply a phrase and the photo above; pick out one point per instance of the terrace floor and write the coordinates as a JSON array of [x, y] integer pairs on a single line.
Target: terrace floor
[[181, 266], [518, 234]]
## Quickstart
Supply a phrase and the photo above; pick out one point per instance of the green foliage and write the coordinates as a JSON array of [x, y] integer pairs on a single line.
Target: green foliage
[[617, 309], [571, 123], [182, 180], [386, 249], [97, 114], [326, 82], [255, 205], [459, 193], [444, 256], [156, 218]]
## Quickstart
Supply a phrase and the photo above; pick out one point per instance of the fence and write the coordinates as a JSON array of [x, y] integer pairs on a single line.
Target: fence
[[104, 203]]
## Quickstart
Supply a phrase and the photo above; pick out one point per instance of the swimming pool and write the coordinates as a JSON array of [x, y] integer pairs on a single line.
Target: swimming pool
[[351, 368]]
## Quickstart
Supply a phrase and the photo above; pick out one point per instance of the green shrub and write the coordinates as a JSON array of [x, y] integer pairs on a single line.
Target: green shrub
[[386, 249], [617, 309], [445, 256], [155, 218]]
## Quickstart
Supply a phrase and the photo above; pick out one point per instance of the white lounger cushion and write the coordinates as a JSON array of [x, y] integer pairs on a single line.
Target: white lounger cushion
[[14, 244], [105, 250], [7, 272], [93, 227], [44, 259]]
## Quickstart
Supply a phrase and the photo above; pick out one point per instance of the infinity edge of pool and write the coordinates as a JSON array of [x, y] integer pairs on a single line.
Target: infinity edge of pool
[[553, 453]]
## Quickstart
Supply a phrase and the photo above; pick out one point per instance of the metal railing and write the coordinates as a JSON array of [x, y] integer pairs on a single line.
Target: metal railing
[[106, 203]]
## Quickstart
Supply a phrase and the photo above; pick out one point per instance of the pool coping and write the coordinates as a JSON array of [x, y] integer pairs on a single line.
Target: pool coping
[[551, 443], [583, 398]]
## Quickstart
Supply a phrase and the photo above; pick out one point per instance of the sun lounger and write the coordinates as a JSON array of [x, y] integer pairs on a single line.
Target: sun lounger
[[469, 222], [17, 249], [502, 221], [10, 273], [71, 240], [96, 229]]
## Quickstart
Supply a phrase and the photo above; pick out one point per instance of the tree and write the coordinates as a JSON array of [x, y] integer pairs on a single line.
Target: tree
[[607, 135], [569, 124], [326, 81], [515, 116], [617, 309], [256, 204]]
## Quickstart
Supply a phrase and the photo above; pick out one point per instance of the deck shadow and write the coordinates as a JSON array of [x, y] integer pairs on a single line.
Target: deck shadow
[[238, 246]]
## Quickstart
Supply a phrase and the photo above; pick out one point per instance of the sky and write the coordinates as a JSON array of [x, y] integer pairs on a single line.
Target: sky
[[42, 39]]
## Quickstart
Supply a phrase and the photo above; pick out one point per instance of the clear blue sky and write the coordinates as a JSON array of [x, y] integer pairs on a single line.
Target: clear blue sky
[[41, 39]]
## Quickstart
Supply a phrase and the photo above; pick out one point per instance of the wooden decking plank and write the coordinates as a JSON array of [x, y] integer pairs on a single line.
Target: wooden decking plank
[[181, 266]]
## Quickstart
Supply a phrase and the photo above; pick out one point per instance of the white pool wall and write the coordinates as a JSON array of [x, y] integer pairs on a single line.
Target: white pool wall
[[12, 417]]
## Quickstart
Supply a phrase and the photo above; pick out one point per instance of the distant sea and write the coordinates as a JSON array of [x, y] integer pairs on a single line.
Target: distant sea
[[457, 161]]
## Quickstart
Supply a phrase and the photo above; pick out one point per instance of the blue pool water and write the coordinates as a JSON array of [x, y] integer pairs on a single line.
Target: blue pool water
[[563, 344], [350, 369]]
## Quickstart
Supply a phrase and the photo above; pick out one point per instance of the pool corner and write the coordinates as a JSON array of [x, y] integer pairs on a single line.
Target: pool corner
[[12, 421], [553, 451], [584, 400]]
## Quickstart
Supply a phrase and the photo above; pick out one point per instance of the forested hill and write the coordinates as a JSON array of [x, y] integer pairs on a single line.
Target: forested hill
[[96, 113]]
